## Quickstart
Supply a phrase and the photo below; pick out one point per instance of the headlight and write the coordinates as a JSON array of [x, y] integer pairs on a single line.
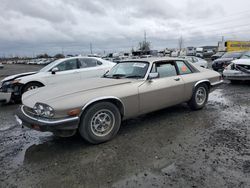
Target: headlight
[[10, 82], [230, 66], [15, 81], [43, 110]]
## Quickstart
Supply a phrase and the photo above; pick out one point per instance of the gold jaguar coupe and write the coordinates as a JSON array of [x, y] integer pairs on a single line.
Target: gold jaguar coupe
[[95, 107]]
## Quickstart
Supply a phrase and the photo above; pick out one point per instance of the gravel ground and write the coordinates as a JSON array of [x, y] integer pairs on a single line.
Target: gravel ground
[[175, 147]]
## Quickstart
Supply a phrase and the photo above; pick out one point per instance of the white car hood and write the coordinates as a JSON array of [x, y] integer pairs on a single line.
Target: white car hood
[[12, 77], [242, 61]]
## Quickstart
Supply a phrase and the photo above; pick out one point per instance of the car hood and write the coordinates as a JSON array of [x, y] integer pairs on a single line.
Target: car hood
[[53, 93], [18, 76], [242, 61], [223, 60]]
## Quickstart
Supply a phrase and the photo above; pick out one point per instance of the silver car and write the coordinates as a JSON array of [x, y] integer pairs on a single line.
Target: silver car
[[238, 70], [196, 60], [97, 106]]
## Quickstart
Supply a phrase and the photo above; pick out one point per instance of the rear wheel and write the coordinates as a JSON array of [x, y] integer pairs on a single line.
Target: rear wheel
[[100, 122], [199, 98]]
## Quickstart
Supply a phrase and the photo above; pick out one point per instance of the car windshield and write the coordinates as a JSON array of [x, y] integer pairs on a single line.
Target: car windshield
[[50, 66], [232, 55], [219, 53], [128, 70]]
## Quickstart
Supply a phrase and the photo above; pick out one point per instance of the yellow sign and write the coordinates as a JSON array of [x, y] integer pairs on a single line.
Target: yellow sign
[[237, 46]]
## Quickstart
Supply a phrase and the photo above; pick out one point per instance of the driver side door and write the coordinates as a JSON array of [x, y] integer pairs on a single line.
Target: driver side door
[[162, 92]]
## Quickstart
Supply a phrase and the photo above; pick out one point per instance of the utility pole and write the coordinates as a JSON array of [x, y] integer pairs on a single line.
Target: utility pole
[[145, 36], [90, 46]]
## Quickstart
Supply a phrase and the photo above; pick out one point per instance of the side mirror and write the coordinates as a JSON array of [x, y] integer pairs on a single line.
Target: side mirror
[[153, 75], [54, 70]]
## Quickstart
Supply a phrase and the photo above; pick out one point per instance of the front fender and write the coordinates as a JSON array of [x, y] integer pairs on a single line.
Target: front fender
[[119, 104]]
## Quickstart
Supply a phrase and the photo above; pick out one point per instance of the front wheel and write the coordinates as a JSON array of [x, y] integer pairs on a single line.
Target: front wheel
[[100, 122], [31, 86], [199, 98]]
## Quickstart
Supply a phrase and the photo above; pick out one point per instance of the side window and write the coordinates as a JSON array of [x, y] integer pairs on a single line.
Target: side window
[[88, 62], [165, 69], [183, 68], [67, 65]]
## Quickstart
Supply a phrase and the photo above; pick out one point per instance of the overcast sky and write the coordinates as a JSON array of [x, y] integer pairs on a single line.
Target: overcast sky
[[37, 26]]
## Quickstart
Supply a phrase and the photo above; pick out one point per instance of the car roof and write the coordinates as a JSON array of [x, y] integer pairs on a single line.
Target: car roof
[[154, 59]]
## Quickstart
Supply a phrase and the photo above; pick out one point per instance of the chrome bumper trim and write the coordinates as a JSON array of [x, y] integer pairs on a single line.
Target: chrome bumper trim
[[49, 121]]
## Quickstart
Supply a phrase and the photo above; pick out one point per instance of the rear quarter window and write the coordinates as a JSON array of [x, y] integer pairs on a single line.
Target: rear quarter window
[[183, 68]]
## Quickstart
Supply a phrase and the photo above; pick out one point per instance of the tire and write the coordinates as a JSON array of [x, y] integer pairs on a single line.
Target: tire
[[235, 81], [95, 127], [199, 97], [31, 86]]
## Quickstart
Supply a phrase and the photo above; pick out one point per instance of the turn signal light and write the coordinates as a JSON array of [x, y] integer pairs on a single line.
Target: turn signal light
[[74, 112]]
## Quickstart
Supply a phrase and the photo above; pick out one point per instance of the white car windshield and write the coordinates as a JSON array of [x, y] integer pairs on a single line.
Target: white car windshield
[[232, 55], [50, 66], [128, 70]]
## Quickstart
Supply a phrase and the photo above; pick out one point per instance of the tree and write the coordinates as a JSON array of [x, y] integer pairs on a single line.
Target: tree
[[43, 56], [59, 56], [144, 46]]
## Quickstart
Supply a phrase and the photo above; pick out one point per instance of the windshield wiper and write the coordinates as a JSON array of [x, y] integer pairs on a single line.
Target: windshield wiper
[[116, 76], [134, 76]]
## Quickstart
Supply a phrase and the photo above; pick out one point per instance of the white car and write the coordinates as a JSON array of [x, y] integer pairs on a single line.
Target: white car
[[238, 70], [59, 71], [1, 66], [196, 60]]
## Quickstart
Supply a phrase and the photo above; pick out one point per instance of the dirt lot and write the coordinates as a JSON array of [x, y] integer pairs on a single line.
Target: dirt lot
[[175, 147]]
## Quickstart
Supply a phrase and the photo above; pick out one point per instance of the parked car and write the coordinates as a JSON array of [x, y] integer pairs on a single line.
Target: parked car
[[225, 60], [97, 106], [59, 71], [1, 66], [208, 53], [238, 70], [217, 55], [196, 60]]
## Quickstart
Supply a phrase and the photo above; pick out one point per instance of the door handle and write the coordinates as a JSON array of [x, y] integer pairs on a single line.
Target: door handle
[[177, 79]]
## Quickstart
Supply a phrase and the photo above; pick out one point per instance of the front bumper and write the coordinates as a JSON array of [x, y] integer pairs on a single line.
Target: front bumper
[[235, 75], [5, 97], [15, 90], [43, 124]]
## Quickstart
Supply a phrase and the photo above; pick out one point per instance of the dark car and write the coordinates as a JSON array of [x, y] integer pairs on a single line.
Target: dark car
[[217, 55], [225, 60]]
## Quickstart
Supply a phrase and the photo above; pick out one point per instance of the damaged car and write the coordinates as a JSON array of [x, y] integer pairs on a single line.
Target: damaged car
[[227, 58], [238, 70], [59, 71], [96, 107]]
